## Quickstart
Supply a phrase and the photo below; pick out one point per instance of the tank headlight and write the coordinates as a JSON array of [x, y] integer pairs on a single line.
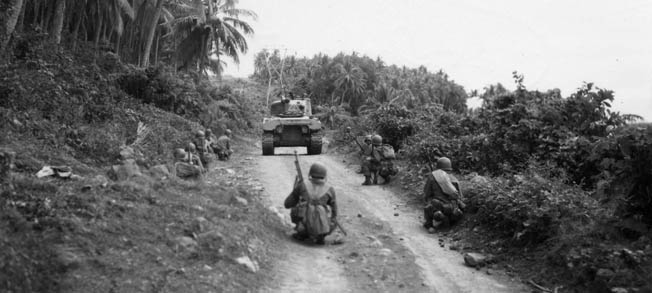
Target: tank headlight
[[304, 129], [279, 129]]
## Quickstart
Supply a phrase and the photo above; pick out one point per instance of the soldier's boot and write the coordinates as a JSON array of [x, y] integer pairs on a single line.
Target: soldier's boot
[[386, 180], [320, 240], [375, 178], [367, 180]]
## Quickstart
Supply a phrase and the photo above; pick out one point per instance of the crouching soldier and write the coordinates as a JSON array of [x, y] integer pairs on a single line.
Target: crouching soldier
[[378, 162], [202, 148], [442, 196], [222, 146], [186, 164], [313, 206]]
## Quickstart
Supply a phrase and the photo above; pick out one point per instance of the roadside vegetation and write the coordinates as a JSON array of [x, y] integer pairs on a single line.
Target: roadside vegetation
[[89, 84], [560, 185], [559, 188]]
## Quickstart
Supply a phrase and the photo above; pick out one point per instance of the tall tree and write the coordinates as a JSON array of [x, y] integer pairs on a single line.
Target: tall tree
[[10, 11], [351, 80], [57, 25], [151, 31], [212, 30]]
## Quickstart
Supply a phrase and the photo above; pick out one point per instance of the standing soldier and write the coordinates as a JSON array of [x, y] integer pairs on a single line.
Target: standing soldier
[[223, 146], [442, 197], [313, 205]]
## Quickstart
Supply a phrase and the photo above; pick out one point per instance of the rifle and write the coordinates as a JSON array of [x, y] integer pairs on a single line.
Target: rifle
[[430, 163], [300, 176], [358, 143]]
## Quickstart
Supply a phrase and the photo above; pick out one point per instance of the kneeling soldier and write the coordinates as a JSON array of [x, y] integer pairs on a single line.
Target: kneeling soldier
[[313, 206], [442, 196]]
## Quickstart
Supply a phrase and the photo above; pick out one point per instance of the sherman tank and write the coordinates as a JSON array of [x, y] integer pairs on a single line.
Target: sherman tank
[[291, 124]]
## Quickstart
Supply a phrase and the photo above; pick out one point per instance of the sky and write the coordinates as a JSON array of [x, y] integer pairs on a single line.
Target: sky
[[554, 44]]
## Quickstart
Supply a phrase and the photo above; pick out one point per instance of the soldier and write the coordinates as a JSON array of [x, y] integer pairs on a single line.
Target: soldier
[[313, 206], [211, 139], [442, 197], [365, 150], [202, 148], [376, 163], [186, 164], [223, 146]]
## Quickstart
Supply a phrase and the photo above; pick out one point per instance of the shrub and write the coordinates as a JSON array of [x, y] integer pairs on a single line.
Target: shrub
[[528, 209]]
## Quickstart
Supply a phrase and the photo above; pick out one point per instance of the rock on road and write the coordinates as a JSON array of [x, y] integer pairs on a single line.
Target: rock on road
[[386, 250]]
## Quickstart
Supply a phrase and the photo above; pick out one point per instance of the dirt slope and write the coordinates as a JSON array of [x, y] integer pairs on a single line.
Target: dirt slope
[[386, 249]]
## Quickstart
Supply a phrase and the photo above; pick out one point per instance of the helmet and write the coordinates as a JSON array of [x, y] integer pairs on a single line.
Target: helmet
[[367, 139], [227, 132], [208, 132], [191, 147], [444, 164], [199, 133], [179, 153], [317, 171], [376, 140]]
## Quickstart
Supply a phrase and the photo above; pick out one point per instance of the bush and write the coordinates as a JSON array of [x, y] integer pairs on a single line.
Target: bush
[[528, 209]]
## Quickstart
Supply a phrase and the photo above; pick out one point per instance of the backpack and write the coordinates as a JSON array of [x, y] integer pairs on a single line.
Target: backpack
[[387, 151]]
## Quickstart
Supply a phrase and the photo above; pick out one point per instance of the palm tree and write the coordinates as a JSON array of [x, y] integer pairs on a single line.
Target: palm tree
[[9, 10], [350, 79], [213, 28]]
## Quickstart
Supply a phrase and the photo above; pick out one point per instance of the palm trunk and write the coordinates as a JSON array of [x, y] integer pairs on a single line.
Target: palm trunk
[[158, 40], [10, 17], [57, 26], [98, 31], [150, 34], [269, 80], [21, 18], [75, 30]]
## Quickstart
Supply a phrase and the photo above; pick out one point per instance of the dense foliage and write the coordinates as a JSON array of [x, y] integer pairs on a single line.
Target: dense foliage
[[580, 135], [191, 35], [356, 83]]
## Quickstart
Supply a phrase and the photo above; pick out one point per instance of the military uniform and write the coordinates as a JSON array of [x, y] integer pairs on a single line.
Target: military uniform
[[442, 198], [375, 163], [187, 165], [223, 147], [313, 208]]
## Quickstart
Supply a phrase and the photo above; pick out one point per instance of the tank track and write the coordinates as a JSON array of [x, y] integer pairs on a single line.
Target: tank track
[[315, 144], [268, 144]]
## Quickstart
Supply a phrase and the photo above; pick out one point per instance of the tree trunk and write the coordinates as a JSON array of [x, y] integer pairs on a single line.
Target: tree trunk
[[48, 13], [57, 26], [98, 32], [269, 80], [75, 30], [158, 40], [10, 13], [150, 34], [21, 18]]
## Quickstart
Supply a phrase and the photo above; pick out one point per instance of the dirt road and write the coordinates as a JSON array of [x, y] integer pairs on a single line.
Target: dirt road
[[386, 249]]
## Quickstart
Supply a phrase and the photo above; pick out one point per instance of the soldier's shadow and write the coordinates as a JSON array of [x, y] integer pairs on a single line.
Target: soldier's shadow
[[310, 242]]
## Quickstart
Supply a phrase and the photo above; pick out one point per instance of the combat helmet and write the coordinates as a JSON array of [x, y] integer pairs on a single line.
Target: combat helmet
[[317, 171], [377, 140], [199, 133], [179, 153], [227, 132], [444, 164], [191, 147]]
